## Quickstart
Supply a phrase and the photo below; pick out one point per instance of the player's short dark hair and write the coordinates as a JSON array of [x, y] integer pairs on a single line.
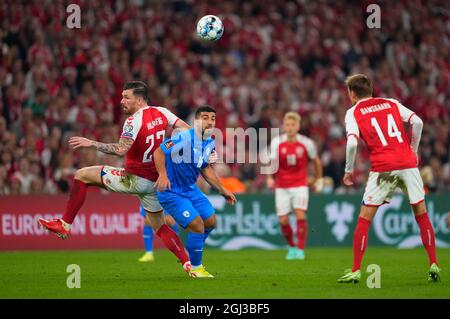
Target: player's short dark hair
[[205, 108], [139, 88], [360, 84]]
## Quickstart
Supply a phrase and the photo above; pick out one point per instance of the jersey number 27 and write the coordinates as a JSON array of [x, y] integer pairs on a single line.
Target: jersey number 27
[[151, 139]]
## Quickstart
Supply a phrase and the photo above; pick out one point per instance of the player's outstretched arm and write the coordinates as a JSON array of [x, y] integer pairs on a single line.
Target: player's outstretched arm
[[163, 182], [182, 125], [210, 176], [174, 120], [119, 149]]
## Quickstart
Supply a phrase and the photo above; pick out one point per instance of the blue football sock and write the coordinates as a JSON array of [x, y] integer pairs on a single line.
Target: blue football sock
[[194, 246], [176, 229], [147, 235], [207, 232]]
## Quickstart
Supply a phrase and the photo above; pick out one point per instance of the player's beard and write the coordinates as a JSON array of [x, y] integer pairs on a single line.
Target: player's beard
[[126, 110], [207, 132]]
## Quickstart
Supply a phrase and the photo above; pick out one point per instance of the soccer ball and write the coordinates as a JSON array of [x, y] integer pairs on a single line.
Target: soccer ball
[[210, 28]]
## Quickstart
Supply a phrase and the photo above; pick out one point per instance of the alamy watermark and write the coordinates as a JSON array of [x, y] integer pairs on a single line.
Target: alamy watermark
[[373, 21], [74, 279], [73, 21], [374, 279], [233, 146]]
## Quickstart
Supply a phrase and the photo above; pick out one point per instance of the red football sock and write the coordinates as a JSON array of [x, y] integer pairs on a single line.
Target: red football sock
[[76, 200], [286, 230], [173, 243], [360, 239], [302, 231], [427, 234]]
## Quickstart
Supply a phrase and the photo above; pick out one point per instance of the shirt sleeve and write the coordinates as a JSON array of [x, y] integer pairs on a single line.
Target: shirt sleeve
[[405, 113], [350, 154], [132, 126], [174, 143], [417, 126], [171, 118], [351, 126], [310, 148]]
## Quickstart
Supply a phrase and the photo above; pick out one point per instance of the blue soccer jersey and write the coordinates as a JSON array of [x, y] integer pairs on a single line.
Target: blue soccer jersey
[[186, 155]]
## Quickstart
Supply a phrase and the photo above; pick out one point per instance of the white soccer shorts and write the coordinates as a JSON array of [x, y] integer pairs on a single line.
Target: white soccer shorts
[[381, 186], [289, 199], [117, 180]]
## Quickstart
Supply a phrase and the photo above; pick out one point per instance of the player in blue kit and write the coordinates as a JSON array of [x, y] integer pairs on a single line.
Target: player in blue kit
[[179, 162]]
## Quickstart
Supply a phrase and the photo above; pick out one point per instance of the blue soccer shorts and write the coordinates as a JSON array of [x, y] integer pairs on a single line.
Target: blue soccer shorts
[[184, 208]]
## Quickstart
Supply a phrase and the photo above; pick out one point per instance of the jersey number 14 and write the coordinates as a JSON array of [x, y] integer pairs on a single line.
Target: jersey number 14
[[391, 128]]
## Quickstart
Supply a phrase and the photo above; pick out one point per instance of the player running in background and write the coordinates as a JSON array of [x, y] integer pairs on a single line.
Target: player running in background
[[292, 151], [379, 123], [147, 234], [142, 133], [179, 161]]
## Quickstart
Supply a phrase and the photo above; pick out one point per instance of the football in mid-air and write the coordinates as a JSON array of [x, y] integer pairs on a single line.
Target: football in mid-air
[[210, 28]]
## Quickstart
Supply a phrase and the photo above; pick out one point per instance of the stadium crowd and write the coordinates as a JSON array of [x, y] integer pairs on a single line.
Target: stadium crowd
[[275, 56]]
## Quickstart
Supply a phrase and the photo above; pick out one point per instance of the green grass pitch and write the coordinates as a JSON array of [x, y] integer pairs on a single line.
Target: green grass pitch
[[248, 273]]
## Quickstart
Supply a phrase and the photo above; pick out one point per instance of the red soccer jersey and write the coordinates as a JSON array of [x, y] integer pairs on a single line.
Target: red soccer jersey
[[379, 122], [146, 128], [293, 160]]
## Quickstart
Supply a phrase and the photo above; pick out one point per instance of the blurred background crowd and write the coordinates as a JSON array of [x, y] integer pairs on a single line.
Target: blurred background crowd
[[275, 56]]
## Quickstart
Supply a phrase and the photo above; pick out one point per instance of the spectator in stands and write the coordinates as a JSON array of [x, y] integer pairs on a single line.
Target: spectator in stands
[[4, 188], [24, 176]]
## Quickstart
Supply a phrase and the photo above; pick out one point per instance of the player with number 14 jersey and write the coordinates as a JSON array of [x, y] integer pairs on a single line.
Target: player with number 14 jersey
[[379, 123]]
